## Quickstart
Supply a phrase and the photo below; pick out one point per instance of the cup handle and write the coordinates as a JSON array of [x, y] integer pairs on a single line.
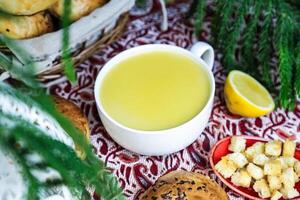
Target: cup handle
[[205, 52]]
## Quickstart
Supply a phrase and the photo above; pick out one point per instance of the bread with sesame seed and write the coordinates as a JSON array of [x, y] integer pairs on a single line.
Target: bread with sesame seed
[[183, 185]]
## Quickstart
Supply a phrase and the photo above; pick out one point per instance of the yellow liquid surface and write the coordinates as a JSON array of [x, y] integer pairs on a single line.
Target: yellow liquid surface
[[155, 91]]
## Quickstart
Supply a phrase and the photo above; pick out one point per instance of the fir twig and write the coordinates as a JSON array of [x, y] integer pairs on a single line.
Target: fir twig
[[192, 10], [279, 33], [76, 173], [33, 183], [59, 156], [233, 36], [140, 3], [297, 64], [247, 50], [283, 31], [200, 12], [221, 20], [265, 45], [25, 73], [66, 54]]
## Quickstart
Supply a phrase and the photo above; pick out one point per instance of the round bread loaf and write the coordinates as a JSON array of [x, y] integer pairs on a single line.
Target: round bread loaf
[[79, 8], [25, 7], [182, 185], [22, 27], [72, 112]]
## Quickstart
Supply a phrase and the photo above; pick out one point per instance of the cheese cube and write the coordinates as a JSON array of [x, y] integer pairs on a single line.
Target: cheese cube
[[273, 168], [290, 161], [297, 167], [289, 148], [255, 171], [257, 148], [274, 183], [289, 193], [226, 167], [286, 162], [238, 158], [261, 187], [260, 159], [237, 144], [288, 178], [241, 178], [273, 148], [276, 195]]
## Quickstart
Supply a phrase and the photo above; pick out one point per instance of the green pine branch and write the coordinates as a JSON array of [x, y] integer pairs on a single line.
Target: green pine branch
[[66, 53], [283, 32], [200, 12], [76, 173], [262, 29], [24, 73], [249, 39], [265, 45], [140, 3], [233, 36], [224, 10], [297, 65], [9, 146]]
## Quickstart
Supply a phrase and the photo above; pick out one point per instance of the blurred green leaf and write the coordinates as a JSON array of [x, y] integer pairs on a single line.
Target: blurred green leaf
[[66, 54], [25, 73]]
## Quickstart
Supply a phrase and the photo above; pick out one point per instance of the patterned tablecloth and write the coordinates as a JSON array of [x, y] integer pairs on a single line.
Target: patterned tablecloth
[[135, 172]]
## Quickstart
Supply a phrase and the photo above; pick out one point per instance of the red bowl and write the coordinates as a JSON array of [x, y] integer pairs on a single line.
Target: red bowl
[[221, 149]]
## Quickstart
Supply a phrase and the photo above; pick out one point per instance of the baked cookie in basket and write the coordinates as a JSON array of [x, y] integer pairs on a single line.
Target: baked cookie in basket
[[22, 27], [79, 8], [25, 7]]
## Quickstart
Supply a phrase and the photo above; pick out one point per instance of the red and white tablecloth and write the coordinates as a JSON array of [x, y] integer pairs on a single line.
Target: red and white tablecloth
[[135, 172]]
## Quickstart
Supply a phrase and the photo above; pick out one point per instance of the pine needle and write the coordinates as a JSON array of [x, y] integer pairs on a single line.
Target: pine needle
[[33, 183], [285, 74], [140, 3], [283, 29], [76, 173], [297, 64], [247, 50], [222, 20], [265, 45], [25, 73], [105, 184], [66, 54], [279, 33], [200, 12], [233, 35]]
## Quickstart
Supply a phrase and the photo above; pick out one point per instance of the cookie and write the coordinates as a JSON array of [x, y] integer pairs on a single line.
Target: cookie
[[25, 7], [23, 27], [79, 8]]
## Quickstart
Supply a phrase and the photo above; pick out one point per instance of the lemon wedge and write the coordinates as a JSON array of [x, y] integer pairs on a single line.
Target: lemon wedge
[[245, 96]]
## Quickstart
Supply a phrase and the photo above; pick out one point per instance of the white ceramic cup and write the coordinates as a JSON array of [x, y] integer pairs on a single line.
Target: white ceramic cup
[[163, 141]]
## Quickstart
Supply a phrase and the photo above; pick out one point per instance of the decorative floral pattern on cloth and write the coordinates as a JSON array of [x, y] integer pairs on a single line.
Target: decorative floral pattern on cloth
[[135, 172]]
